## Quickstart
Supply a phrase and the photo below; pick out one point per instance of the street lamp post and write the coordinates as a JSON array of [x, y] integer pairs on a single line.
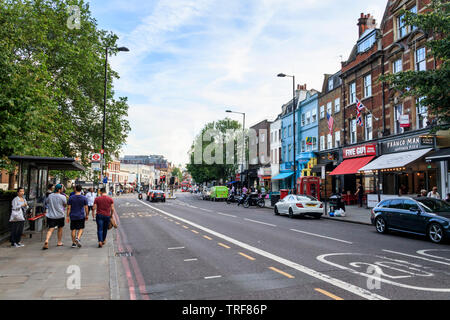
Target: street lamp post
[[282, 75], [243, 138], [104, 105]]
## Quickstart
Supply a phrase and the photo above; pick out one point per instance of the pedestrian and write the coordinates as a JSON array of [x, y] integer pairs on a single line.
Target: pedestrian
[[434, 194], [17, 219], [448, 198], [104, 210], [360, 193], [91, 197], [77, 214], [56, 203], [423, 193]]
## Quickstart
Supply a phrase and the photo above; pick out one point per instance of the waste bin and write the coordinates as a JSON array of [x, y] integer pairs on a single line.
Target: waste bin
[[274, 198], [283, 193]]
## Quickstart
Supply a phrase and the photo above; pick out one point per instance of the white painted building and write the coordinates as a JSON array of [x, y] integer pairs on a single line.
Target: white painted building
[[275, 151]]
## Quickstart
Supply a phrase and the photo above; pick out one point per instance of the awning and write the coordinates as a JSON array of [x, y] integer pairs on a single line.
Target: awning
[[440, 155], [395, 160], [282, 176], [351, 166]]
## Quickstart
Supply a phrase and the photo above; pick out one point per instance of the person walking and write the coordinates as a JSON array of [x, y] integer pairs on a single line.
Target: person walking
[[104, 210], [360, 194], [434, 194], [17, 219], [56, 203], [77, 214], [91, 197]]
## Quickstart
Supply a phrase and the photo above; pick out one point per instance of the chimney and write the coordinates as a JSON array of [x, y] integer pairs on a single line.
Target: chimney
[[365, 22]]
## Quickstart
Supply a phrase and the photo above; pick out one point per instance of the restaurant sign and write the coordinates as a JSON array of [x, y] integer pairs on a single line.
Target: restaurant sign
[[409, 143], [360, 151]]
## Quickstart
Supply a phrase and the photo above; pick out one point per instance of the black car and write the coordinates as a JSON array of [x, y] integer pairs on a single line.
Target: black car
[[157, 195], [422, 215]]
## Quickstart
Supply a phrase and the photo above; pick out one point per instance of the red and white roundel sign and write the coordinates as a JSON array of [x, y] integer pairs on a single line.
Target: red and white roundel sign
[[96, 157]]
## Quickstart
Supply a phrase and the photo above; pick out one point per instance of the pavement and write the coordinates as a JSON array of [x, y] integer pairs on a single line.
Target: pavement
[[30, 273], [353, 214]]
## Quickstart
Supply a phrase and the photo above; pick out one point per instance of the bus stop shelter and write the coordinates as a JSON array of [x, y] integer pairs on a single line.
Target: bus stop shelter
[[33, 177]]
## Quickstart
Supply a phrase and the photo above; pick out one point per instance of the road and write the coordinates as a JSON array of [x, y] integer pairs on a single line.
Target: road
[[192, 249]]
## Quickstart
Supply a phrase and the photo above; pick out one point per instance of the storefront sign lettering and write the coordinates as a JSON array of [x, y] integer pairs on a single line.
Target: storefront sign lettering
[[360, 151], [406, 144]]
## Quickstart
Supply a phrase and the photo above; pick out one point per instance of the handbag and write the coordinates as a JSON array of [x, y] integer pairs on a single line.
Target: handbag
[[112, 223]]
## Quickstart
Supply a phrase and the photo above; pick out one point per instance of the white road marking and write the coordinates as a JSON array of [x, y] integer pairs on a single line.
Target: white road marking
[[318, 235], [213, 277], [267, 224], [422, 252], [193, 259], [225, 214], [417, 257], [364, 293], [175, 248]]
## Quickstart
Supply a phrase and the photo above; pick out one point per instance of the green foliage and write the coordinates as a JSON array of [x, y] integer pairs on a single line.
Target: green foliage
[[208, 172], [52, 83], [430, 84]]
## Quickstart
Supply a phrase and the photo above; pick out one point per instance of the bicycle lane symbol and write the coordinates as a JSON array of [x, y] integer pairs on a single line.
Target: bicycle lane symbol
[[382, 269]]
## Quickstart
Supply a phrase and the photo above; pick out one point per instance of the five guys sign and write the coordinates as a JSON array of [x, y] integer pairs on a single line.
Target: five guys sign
[[360, 151]]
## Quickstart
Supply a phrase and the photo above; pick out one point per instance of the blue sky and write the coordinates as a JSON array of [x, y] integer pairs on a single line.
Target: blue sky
[[190, 60]]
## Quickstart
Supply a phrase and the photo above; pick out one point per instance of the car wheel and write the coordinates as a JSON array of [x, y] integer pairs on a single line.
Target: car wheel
[[275, 210], [435, 232], [380, 225], [291, 213]]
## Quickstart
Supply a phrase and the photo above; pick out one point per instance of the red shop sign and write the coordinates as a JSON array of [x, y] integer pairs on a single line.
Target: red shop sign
[[238, 177], [360, 151]]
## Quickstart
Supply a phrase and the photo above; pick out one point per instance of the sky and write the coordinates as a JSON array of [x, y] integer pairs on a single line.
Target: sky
[[190, 60]]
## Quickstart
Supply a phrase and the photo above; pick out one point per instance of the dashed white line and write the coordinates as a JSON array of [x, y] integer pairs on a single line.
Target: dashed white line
[[213, 277], [318, 235], [175, 248], [267, 224], [225, 214], [193, 259]]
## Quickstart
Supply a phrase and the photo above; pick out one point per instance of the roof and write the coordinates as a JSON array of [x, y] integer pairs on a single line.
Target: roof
[[65, 164]]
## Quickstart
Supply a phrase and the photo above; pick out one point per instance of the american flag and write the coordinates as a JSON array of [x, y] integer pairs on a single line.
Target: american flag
[[359, 107], [330, 122]]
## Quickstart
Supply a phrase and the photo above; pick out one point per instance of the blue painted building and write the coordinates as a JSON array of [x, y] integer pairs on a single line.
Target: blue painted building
[[307, 133]]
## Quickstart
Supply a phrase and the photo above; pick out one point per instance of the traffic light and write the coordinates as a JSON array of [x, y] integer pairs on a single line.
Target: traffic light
[[172, 180]]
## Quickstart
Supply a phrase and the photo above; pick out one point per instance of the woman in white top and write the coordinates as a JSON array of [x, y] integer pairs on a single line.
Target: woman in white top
[[91, 198], [434, 194], [17, 219]]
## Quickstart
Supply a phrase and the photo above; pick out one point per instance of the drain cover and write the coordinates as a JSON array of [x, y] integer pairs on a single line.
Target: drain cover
[[124, 254]]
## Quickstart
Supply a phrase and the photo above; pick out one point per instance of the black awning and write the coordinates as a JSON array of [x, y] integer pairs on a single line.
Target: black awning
[[65, 164], [440, 155]]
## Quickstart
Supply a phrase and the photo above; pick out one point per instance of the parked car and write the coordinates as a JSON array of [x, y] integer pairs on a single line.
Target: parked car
[[158, 195], [149, 194], [219, 193], [301, 205], [206, 193], [422, 215]]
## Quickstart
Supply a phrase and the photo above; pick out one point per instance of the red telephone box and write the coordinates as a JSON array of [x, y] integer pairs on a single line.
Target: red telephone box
[[309, 186]]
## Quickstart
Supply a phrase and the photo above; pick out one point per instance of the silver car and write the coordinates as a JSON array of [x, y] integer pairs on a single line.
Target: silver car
[[299, 205]]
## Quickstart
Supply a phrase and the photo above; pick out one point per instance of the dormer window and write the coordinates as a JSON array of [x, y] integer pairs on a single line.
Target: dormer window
[[330, 84], [367, 41]]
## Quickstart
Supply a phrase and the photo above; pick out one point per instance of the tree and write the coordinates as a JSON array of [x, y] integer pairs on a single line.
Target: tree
[[51, 83], [432, 85], [176, 172], [225, 131]]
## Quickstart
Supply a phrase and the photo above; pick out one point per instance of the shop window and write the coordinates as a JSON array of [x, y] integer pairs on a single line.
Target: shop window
[[368, 86], [352, 92], [398, 111], [368, 127], [353, 131], [337, 105], [421, 63], [422, 114]]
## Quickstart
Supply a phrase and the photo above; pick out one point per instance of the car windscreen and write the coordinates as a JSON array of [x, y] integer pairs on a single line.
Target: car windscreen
[[435, 205], [306, 198]]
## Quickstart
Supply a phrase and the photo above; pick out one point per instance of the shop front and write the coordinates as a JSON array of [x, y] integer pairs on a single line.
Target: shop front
[[327, 162], [265, 177], [401, 169], [354, 158], [286, 176]]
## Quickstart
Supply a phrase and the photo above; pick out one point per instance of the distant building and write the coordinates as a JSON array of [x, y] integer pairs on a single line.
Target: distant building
[[158, 161]]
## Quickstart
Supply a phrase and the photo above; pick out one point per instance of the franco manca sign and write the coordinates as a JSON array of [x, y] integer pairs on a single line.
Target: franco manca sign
[[407, 144]]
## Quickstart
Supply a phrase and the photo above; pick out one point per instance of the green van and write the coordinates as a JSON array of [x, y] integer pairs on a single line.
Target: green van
[[219, 193]]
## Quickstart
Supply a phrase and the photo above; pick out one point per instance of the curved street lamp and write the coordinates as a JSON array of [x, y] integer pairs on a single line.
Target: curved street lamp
[[243, 135]]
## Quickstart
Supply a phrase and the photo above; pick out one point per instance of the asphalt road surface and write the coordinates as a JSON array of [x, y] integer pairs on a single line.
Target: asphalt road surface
[[191, 249]]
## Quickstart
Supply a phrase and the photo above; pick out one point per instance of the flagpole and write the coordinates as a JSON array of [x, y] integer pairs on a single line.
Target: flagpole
[[376, 119]]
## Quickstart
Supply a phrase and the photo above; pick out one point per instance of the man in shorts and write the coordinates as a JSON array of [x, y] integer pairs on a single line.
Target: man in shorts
[[77, 214], [91, 197], [56, 203]]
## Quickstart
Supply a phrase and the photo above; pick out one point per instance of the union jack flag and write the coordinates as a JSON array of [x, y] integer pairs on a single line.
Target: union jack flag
[[359, 107]]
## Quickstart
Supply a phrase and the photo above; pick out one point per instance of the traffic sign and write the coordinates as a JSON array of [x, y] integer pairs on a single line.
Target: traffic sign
[[96, 157], [105, 180], [102, 151]]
